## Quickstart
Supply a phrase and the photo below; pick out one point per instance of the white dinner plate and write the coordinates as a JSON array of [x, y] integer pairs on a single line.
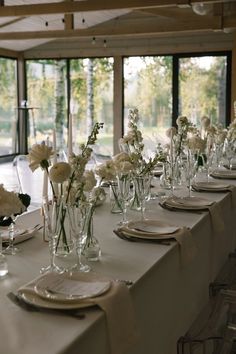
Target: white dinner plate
[[188, 203], [149, 229], [211, 186], [33, 299], [72, 287], [225, 174]]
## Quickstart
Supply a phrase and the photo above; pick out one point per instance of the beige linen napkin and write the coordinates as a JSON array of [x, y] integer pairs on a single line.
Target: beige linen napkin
[[183, 236], [188, 247], [118, 307], [216, 220], [233, 195]]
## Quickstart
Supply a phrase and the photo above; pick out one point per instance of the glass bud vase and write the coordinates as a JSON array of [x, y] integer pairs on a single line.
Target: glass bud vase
[[135, 201], [91, 249], [64, 244], [115, 202]]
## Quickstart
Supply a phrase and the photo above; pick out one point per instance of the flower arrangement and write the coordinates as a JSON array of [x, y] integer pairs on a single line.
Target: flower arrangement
[[11, 204], [74, 181], [132, 144]]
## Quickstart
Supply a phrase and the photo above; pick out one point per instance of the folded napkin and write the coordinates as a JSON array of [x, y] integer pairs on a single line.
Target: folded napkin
[[118, 307], [233, 195], [216, 220], [183, 236]]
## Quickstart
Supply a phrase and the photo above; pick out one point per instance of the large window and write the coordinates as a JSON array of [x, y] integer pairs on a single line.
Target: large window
[[202, 88], [92, 100], [148, 86], [8, 107], [80, 87], [47, 100], [164, 87]]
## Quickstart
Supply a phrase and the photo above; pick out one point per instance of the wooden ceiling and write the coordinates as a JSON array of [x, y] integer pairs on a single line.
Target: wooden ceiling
[[26, 24]]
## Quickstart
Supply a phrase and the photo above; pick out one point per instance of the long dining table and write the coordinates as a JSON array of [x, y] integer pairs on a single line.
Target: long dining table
[[167, 295]]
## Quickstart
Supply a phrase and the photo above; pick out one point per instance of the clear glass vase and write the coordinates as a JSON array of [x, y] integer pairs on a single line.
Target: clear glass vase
[[64, 235], [115, 202], [91, 249]]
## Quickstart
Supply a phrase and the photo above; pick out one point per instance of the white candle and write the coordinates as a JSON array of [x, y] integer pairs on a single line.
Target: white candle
[[54, 146], [69, 137]]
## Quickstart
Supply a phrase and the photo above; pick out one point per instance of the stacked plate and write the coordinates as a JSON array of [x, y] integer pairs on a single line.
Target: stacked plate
[[224, 174], [149, 230], [210, 186], [65, 291], [187, 203]]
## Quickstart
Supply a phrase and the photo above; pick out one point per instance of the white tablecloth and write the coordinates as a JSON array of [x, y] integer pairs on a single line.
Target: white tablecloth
[[167, 296]]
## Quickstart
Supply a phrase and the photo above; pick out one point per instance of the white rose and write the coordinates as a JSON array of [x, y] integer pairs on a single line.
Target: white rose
[[196, 143], [39, 156], [122, 156], [205, 122], [89, 180], [170, 132], [60, 172], [182, 120], [10, 204], [106, 171], [98, 195]]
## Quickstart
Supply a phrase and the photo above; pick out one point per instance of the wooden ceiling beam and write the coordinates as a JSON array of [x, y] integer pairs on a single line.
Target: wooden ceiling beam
[[133, 29], [66, 7]]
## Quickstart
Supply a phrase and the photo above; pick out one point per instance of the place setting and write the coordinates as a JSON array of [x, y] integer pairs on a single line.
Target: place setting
[[147, 230], [211, 186], [71, 291], [191, 203], [159, 232], [224, 174]]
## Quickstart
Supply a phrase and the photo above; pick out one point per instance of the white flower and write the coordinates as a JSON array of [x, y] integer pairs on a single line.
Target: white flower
[[106, 171], [211, 130], [10, 204], [170, 132], [89, 181], [39, 156], [205, 122], [122, 156], [98, 196], [195, 143], [181, 121], [60, 172]]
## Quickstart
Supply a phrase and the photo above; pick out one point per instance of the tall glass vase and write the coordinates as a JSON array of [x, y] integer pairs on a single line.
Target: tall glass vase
[[64, 243], [50, 220], [76, 222], [91, 249]]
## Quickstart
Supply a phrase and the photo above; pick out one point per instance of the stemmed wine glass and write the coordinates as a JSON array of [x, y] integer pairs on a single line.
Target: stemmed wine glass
[[229, 152], [142, 187], [123, 181], [50, 219], [190, 167], [76, 219], [11, 249]]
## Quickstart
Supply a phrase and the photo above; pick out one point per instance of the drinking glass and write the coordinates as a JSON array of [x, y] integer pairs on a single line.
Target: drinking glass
[[76, 222], [11, 249], [142, 187], [3, 261], [230, 153], [123, 181], [190, 168], [50, 219]]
